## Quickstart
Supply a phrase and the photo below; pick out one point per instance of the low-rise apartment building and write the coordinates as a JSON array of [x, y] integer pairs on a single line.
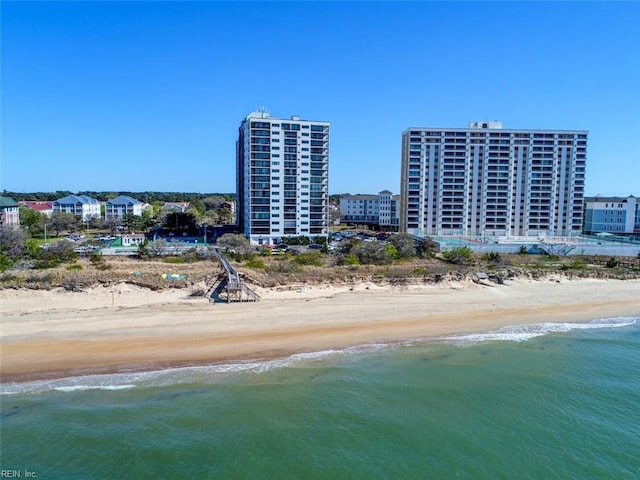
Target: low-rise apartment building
[[119, 207], [615, 215], [374, 210], [80, 205]]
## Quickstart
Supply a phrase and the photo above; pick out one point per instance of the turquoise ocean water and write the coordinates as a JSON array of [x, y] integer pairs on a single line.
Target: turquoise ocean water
[[551, 401]]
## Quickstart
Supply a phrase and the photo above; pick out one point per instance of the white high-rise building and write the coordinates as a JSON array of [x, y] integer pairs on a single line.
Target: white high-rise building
[[488, 181], [283, 178]]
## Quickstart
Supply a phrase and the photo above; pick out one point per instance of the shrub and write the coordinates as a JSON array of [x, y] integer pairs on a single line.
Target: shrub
[[493, 257], [404, 244], [523, 250], [372, 253], [5, 262], [256, 264], [612, 263], [458, 255], [575, 265], [310, 258], [74, 266], [350, 259]]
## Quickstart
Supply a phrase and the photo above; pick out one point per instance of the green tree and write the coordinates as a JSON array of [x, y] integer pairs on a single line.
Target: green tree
[[62, 221], [428, 247], [372, 253], [12, 242], [235, 243], [458, 255], [404, 244], [225, 215], [31, 220]]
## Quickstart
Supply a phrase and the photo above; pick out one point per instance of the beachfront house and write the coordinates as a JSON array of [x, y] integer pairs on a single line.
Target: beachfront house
[[9, 212], [79, 205], [132, 239]]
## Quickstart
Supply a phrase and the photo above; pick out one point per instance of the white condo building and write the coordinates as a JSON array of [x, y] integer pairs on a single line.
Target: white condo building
[[283, 178], [488, 181]]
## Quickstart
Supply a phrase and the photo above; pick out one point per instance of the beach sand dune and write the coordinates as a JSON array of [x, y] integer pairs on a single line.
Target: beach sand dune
[[47, 334]]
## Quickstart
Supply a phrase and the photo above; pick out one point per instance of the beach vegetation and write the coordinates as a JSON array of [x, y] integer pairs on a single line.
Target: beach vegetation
[[12, 241], [349, 259], [143, 250], [574, 265], [5, 262], [492, 257], [404, 244], [458, 255], [285, 267], [427, 248], [612, 263], [74, 266], [372, 253], [235, 244], [256, 264], [173, 259], [314, 258], [98, 261]]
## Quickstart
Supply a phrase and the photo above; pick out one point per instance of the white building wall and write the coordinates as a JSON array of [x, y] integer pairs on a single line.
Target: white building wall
[[284, 178], [493, 182]]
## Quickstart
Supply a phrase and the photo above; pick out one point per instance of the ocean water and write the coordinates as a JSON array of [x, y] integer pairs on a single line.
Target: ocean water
[[550, 401]]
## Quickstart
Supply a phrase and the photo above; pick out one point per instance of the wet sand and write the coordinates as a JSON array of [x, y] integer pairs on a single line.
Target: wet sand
[[49, 334]]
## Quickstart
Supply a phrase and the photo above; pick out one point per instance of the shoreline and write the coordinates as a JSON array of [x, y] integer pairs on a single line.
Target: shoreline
[[57, 334]]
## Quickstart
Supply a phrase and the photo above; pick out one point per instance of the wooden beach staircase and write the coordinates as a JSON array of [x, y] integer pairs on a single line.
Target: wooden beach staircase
[[228, 287]]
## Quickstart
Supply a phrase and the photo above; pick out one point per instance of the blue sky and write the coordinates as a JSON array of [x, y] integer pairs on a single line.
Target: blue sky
[[137, 96]]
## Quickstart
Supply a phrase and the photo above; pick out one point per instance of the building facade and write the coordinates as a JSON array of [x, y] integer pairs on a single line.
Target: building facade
[[487, 181], [283, 178], [80, 205], [9, 212], [43, 207], [375, 210], [615, 215], [121, 206]]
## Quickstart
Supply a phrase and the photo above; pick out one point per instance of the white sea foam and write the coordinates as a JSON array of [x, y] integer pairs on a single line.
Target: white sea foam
[[76, 388], [521, 333], [215, 372]]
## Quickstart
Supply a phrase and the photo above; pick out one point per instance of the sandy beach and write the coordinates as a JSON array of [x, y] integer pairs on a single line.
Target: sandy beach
[[48, 334]]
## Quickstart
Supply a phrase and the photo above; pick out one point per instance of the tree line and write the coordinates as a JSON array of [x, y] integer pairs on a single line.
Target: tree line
[[103, 196]]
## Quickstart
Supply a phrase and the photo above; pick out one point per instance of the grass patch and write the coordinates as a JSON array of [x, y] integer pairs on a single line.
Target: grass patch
[[173, 260], [256, 264]]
